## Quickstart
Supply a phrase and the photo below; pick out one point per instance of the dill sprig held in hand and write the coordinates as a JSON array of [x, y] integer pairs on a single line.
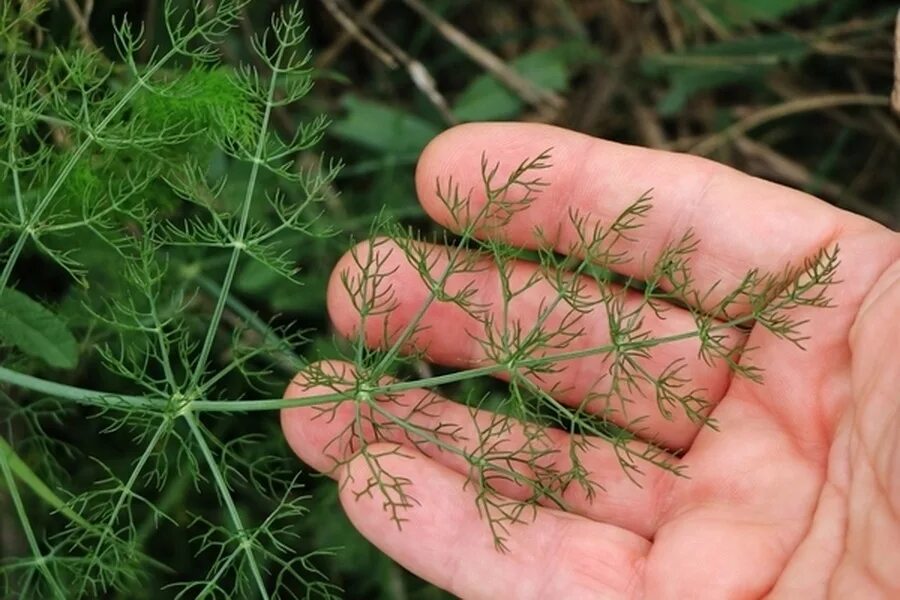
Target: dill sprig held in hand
[[111, 172]]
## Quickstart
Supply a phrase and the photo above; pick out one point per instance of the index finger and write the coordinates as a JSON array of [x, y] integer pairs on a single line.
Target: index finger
[[739, 221]]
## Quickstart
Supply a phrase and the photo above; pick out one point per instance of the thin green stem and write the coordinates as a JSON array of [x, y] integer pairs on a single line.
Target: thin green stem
[[39, 116], [126, 402], [410, 329], [126, 492], [163, 345], [226, 498], [289, 360], [174, 494], [21, 469], [17, 186], [566, 414], [39, 558], [239, 241], [429, 436], [80, 395]]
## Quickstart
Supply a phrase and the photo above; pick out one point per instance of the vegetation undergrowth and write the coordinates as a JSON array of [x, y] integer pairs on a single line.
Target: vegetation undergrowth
[[148, 199]]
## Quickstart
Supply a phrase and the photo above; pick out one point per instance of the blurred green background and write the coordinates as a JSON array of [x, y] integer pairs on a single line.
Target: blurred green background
[[796, 91]]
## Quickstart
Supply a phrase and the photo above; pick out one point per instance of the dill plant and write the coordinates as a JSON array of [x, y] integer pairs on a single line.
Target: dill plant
[[111, 171], [107, 174]]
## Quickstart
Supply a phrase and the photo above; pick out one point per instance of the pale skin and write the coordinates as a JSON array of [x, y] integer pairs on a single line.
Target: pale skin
[[796, 496]]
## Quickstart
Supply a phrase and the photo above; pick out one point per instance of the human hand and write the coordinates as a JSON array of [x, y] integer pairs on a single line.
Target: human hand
[[797, 494]]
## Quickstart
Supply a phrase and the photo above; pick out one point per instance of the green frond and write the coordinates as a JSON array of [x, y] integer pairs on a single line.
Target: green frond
[[167, 184]]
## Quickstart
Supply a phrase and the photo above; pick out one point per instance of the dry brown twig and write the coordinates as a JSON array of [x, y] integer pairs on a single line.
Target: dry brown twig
[[895, 96], [353, 28], [360, 27], [789, 171], [709, 20], [672, 25], [82, 18], [337, 47], [811, 103], [528, 91]]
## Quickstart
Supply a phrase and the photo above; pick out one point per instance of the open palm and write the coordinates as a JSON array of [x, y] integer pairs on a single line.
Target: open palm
[[797, 494]]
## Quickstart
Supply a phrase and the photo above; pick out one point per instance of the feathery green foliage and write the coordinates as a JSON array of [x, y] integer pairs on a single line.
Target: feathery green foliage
[[112, 174]]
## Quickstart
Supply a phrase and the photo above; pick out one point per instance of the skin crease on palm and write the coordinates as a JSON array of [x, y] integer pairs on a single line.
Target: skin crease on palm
[[796, 496]]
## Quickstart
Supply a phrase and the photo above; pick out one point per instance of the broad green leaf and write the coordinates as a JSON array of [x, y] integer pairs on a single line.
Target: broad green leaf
[[487, 99], [382, 127], [744, 60], [741, 12], [35, 330]]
